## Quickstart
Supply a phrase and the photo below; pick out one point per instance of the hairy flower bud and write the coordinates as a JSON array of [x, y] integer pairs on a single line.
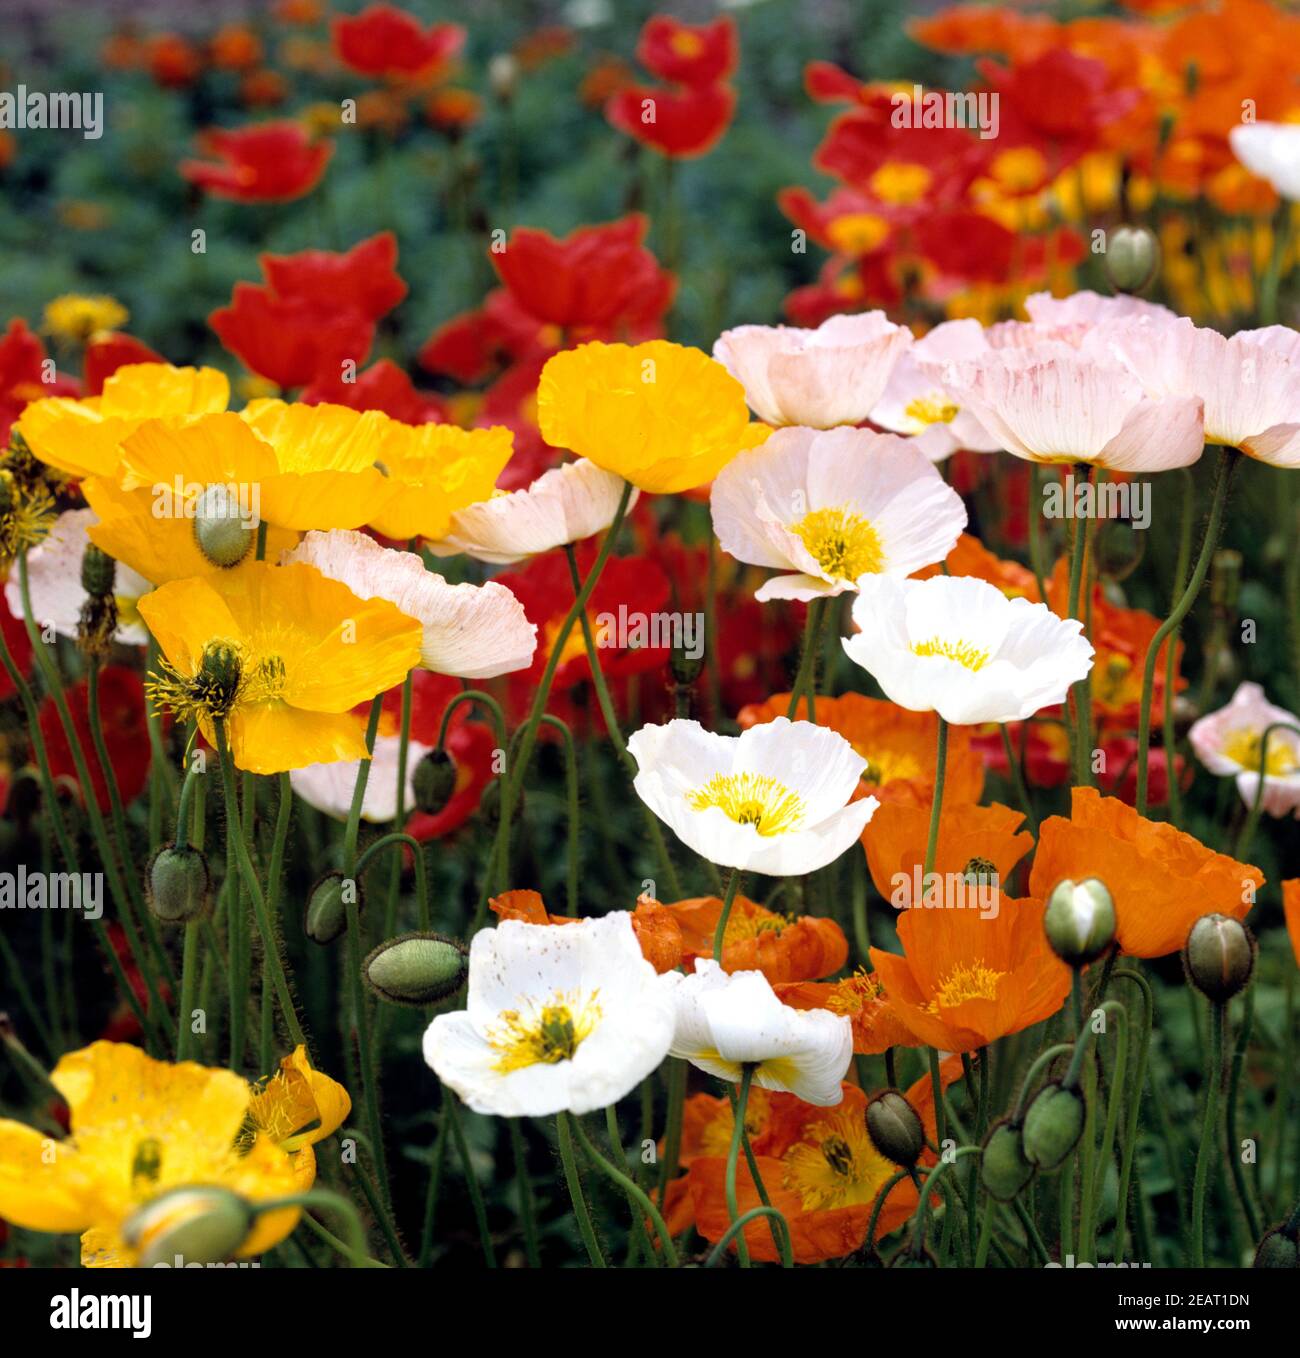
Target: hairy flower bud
[[178, 883], [434, 782], [1004, 1170], [1219, 956], [895, 1128], [1080, 920], [1277, 1249], [98, 573], [416, 969], [1053, 1125], [326, 914], [1132, 258], [200, 1224], [223, 531]]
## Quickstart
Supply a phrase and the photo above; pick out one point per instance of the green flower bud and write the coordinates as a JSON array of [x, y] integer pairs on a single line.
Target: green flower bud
[[1132, 258], [178, 883], [201, 1225], [1003, 1167], [1053, 1125], [98, 573], [1080, 920], [416, 969], [224, 533], [1219, 956], [434, 781], [1278, 1249], [895, 1128], [326, 915]]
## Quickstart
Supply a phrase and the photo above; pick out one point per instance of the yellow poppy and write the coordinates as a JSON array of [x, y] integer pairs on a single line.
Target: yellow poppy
[[76, 317], [664, 416], [440, 468], [282, 654], [139, 1128], [297, 1107], [84, 438]]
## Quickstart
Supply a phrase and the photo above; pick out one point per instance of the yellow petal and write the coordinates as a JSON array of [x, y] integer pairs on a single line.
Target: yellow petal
[[43, 1184]]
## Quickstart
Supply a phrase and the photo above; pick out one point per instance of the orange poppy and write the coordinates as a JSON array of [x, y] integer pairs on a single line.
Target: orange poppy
[[971, 838], [1291, 909], [899, 747], [862, 997], [966, 979], [1163, 880], [971, 557], [781, 947], [653, 924]]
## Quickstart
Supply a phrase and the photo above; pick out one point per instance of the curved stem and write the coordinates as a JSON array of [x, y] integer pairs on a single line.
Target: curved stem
[[355, 1248], [391, 840], [1247, 836], [633, 1191], [735, 1232]]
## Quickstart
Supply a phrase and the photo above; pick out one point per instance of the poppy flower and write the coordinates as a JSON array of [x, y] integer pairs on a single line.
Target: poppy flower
[[263, 163], [958, 646], [1230, 743], [688, 54], [1162, 879], [589, 278], [1271, 151], [23, 369], [297, 1107], [281, 654], [782, 947], [382, 386], [983, 840], [124, 1105], [1291, 910], [557, 1020], [833, 506], [971, 557], [775, 799], [680, 123], [108, 351], [861, 999], [75, 317], [899, 747], [663, 416], [655, 925], [174, 62], [386, 41], [966, 979], [122, 718], [472, 346]]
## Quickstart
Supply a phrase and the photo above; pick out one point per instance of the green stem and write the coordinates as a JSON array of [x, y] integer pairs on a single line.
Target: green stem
[[936, 806], [1209, 1130], [1234, 1146], [634, 1193], [720, 933], [1247, 836], [564, 1137], [572, 816], [805, 680], [733, 1155], [1180, 579], [527, 1211]]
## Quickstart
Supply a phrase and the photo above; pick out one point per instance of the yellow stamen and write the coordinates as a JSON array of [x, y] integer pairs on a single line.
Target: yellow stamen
[[842, 543], [751, 799], [1245, 747], [963, 652], [966, 981], [929, 410], [837, 1167], [544, 1034]]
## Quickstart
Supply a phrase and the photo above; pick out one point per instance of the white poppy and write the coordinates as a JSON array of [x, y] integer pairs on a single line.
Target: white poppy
[[54, 582], [1229, 742], [559, 1018], [774, 799], [329, 787], [727, 1021], [832, 506], [818, 378], [1271, 151], [471, 631], [565, 504], [958, 646]]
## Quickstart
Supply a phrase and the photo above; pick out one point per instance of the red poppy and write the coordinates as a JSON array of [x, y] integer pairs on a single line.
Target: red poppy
[[106, 353], [263, 163], [382, 386], [689, 54], [22, 375], [473, 345], [680, 123], [386, 41], [174, 62], [126, 734], [363, 279], [593, 277]]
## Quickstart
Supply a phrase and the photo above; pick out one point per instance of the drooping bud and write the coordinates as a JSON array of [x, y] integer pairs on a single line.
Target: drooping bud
[[416, 969], [178, 883], [895, 1128], [326, 915], [1080, 920], [1132, 258], [1004, 1170], [1277, 1249], [225, 534], [434, 782], [1219, 956], [98, 573], [1053, 1125], [200, 1225]]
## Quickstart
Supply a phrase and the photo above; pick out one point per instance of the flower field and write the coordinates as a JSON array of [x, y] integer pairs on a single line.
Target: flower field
[[650, 640]]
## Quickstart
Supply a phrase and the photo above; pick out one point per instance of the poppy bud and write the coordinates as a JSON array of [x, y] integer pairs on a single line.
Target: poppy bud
[[895, 1129], [685, 667], [326, 915], [416, 969], [1079, 920], [1053, 1125], [178, 883], [225, 534], [434, 781], [98, 573], [1219, 956], [1132, 258], [200, 1225], [1003, 1167], [1278, 1249]]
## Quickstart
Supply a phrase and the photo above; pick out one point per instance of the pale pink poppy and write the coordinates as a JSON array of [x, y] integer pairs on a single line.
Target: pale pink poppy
[[1230, 743], [819, 378]]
